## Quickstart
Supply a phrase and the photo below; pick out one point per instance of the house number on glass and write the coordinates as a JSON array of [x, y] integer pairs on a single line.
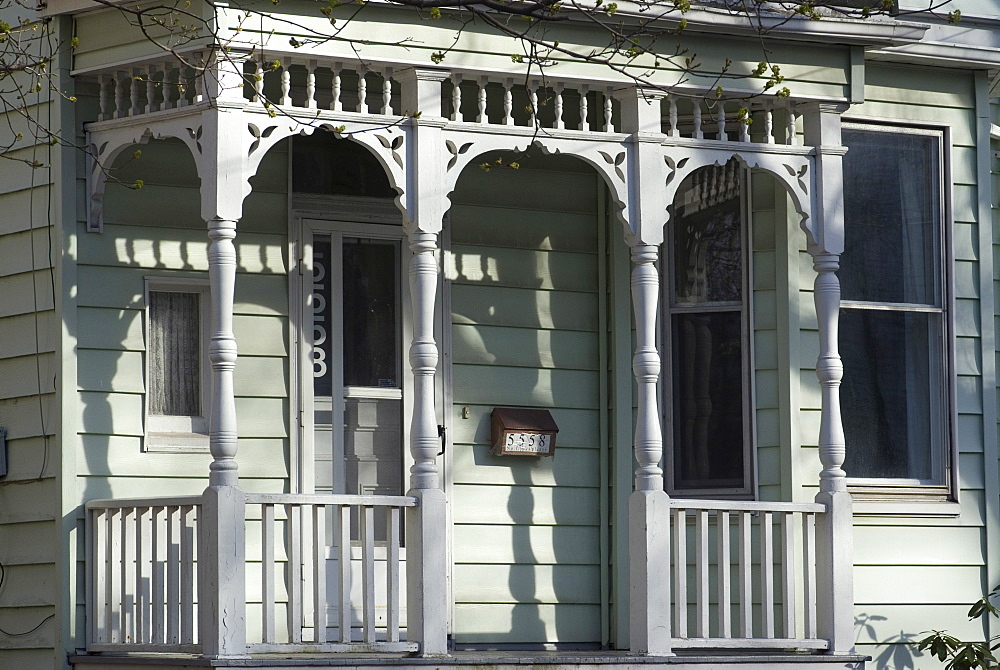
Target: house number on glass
[[532, 443]]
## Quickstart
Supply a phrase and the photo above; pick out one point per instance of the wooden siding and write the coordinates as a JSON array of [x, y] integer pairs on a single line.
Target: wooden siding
[[525, 318], [29, 339]]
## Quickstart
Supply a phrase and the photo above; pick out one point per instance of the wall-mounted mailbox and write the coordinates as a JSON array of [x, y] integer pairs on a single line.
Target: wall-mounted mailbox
[[523, 432]]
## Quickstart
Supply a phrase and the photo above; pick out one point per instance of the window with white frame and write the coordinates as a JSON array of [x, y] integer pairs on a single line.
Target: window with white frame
[[706, 333], [177, 377], [894, 312]]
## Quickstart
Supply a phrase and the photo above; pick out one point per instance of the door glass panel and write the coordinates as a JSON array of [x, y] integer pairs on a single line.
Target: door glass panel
[[358, 404], [371, 352]]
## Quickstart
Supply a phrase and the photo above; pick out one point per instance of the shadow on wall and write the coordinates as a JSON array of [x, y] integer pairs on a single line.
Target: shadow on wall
[[899, 652]]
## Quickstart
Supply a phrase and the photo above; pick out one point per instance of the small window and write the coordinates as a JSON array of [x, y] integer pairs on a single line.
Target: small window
[[894, 317], [177, 376], [707, 337]]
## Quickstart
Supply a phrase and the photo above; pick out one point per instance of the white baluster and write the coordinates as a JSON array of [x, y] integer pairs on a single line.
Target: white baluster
[[584, 121], [725, 596], [197, 80], [508, 102], [701, 578], [788, 573], [311, 84], [257, 81], [745, 128], [319, 573], [456, 97], [769, 123], [680, 573], [558, 92], [481, 117], [336, 105], [674, 130], [367, 524], [133, 92], [387, 91], [533, 104], [286, 82], [696, 117], [150, 89], [106, 82], [744, 576], [169, 87], [120, 88], [792, 138], [362, 90], [609, 126], [723, 137], [267, 568], [767, 574]]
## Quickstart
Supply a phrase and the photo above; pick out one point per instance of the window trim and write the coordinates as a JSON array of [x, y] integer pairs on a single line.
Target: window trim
[[748, 491], [875, 491], [178, 434]]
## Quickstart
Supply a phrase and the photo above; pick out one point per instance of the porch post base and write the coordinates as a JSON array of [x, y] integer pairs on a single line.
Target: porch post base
[[835, 566], [222, 573], [649, 578], [426, 568]]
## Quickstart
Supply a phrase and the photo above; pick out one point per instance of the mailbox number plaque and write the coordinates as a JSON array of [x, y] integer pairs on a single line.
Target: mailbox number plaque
[[523, 432]]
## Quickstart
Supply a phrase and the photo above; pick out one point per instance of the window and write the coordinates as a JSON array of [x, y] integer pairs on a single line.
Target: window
[[893, 320], [707, 333], [177, 378]]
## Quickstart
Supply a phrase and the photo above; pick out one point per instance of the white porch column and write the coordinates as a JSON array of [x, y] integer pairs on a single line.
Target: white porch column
[[835, 533], [222, 542], [649, 505], [426, 524]]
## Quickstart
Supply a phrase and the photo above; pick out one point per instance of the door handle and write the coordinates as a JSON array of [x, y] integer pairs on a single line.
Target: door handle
[[442, 433]]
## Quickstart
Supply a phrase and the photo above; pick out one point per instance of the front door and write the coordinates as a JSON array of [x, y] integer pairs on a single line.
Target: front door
[[355, 301]]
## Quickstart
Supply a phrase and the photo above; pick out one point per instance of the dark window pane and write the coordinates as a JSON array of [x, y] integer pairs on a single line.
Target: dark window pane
[[888, 392], [370, 329], [174, 354], [708, 256], [708, 400], [892, 213], [325, 165]]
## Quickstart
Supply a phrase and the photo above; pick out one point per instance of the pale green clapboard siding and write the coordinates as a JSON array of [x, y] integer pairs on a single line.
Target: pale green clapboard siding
[[915, 573], [162, 235], [29, 338], [524, 277]]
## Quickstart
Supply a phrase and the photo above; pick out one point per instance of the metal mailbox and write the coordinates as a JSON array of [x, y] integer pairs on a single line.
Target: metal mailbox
[[518, 431]]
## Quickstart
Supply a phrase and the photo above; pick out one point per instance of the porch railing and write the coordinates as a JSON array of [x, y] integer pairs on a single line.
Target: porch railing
[[307, 85], [744, 574], [143, 577], [142, 582]]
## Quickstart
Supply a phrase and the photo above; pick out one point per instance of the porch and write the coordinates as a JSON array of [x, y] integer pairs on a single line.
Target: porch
[[237, 579]]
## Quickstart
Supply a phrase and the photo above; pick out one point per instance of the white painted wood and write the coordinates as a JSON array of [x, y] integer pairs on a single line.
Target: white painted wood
[[609, 125], [367, 527], [387, 91], [187, 539], [342, 530], [767, 574], [100, 607], [126, 573], [143, 576], [584, 119], [646, 367], [725, 575], [336, 104], [679, 525], [159, 554], [481, 101], [456, 97], [769, 123], [362, 90], [701, 574], [286, 82], [558, 123], [750, 643], [267, 568], [745, 576], [311, 84], [392, 574], [294, 515], [788, 571], [809, 580], [508, 102], [320, 513], [173, 596]]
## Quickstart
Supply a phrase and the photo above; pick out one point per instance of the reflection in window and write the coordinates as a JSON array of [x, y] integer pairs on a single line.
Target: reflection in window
[[892, 323], [707, 334]]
